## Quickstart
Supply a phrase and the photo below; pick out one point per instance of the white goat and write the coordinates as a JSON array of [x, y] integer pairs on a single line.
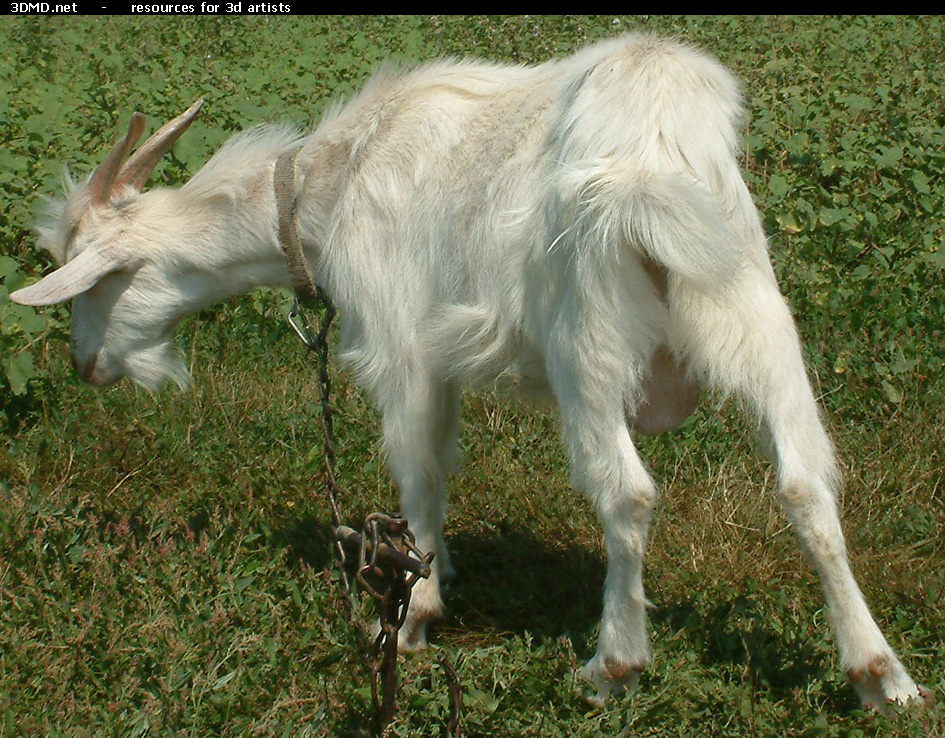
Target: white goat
[[578, 228]]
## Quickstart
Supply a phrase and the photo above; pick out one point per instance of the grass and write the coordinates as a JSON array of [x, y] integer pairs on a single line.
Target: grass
[[164, 560]]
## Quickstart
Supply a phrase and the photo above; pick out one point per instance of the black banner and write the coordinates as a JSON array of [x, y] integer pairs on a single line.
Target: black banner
[[149, 7]]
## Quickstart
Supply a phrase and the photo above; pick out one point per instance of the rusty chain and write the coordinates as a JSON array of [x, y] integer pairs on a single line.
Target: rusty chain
[[389, 562]]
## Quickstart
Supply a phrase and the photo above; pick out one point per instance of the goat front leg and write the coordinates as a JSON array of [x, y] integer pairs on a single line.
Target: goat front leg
[[420, 439]]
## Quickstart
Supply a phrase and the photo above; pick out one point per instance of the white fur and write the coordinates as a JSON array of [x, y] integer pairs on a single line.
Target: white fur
[[578, 229]]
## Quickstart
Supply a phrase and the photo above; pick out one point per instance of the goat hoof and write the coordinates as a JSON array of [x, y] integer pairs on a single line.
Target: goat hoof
[[410, 639], [882, 681], [610, 677], [413, 636]]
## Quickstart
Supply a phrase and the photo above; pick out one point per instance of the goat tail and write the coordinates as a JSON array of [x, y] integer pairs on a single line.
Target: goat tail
[[671, 218]]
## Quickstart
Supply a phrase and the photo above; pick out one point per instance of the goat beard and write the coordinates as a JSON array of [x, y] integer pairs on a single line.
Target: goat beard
[[155, 366]]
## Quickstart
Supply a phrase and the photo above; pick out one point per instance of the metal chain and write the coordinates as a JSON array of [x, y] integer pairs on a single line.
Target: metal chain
[[389, 562]]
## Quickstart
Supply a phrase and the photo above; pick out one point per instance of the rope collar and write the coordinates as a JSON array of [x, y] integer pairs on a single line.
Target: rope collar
[[284, 184]]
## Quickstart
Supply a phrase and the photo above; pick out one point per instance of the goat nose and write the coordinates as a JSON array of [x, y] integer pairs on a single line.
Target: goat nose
[[85, 369]]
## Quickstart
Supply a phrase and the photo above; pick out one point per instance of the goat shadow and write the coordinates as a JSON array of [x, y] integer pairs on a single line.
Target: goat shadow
[[733, 632], [511, 582], [508, 581]]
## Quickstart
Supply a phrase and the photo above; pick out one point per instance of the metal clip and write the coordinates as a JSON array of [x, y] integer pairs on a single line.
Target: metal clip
[[300, 323]]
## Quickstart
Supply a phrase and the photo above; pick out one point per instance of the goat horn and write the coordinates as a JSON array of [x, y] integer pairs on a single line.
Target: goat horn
[[103, 178], [139, 167]]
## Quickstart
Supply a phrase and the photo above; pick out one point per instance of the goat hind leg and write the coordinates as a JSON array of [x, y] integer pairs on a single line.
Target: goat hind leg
[[606, 466], [623, 495], [746, 342], [869, 662]]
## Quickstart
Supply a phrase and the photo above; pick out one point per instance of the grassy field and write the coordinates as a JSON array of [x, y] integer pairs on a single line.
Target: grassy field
[[164, 559]]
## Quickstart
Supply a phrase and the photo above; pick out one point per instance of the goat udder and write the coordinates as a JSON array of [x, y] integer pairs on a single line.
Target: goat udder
[[669, 396]]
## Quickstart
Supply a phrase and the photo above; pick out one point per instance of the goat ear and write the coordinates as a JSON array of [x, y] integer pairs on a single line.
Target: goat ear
[[73, 278]]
